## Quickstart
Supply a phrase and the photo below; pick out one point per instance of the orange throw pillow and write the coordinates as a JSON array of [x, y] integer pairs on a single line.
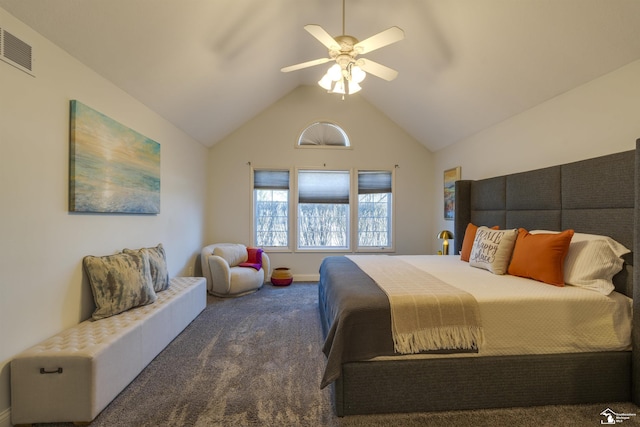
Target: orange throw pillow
[[540, 256], [467, 243]]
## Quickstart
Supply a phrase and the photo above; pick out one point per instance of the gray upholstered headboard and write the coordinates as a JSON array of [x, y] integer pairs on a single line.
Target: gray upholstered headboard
[[594, 196]]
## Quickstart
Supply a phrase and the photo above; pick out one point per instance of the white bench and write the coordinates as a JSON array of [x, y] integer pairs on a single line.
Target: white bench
[[73, 376]]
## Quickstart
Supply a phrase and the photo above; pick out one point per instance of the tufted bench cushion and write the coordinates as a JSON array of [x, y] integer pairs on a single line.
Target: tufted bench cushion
[[74, 375]]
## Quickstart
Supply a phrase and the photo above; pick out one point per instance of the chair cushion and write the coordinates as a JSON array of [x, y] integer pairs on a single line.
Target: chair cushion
[[233, 253], [244, 280]]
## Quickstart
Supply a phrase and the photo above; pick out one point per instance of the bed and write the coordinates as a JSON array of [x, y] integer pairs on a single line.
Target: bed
[[596, 196]]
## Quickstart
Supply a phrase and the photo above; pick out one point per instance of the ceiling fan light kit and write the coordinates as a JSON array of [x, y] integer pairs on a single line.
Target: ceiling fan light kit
[[343, 80], [344, 77]]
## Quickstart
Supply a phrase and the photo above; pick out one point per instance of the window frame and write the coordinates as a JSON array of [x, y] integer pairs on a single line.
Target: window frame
[[324, 146], [288, 247], [349, 236], [353, 216], [356, 220]]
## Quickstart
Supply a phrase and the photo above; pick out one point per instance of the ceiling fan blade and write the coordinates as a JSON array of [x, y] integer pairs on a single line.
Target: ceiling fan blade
[[305, 64], [323, 37], [377, 70], [382, 39]]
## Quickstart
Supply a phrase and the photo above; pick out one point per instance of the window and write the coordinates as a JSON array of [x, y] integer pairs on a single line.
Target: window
[[323, 134], [271, 208], [323, 209], [374, 209]]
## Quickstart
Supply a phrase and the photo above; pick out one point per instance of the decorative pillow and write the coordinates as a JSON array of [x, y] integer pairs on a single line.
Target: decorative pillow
[[541, 256], [119, 282], [592, 261], [233, 253], [492, 249], [254, 258], [467, 243], [158, 266]]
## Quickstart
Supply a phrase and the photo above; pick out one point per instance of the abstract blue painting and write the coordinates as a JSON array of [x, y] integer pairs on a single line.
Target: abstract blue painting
[[112, 169]]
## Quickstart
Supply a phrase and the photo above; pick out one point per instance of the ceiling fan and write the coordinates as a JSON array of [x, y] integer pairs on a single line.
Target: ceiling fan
[[344, 76]]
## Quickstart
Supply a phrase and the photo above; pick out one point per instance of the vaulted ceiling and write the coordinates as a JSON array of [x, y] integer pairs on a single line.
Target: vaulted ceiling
[[208, 66]]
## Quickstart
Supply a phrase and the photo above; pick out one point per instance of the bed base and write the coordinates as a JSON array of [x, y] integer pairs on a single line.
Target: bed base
[[482, 382], [459, 383]]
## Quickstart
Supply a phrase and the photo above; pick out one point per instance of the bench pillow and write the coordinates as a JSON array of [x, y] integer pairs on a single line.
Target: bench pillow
[[158, 266], [119, 282]]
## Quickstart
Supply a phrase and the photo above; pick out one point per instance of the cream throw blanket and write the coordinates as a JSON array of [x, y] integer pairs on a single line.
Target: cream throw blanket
[[426, 313]]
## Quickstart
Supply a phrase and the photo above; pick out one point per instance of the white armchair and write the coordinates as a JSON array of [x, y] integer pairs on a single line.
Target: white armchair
[[232, 269]]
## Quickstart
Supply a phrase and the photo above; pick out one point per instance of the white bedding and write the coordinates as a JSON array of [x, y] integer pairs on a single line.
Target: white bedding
[[523, 316]]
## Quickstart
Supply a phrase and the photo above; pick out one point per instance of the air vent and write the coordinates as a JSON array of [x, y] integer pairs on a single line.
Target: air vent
[[16, 52]]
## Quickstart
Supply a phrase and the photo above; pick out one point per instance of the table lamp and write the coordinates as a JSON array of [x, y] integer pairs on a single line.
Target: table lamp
[[445, 235]]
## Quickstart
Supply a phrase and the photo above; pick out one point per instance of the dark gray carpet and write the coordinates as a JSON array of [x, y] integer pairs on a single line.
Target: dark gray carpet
[[256, 360]]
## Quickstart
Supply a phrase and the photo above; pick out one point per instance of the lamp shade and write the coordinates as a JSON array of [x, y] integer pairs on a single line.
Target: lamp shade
[[353, 87], [335, 72], [338, 87], [445, 234], [357, 74], [326, 82]]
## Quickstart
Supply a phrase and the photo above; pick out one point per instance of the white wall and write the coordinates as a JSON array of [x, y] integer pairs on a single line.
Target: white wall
[[42, 288], [595, 119], [268, 140]]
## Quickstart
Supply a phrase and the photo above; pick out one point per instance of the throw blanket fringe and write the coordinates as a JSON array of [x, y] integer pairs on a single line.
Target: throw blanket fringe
[[426, 313], [443, 338]]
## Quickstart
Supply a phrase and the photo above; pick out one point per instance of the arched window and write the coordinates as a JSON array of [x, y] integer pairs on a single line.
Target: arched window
[[323, 134]]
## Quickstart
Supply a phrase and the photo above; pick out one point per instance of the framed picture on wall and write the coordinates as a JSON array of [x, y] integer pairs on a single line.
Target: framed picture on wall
[[112, 168], [450, 178]]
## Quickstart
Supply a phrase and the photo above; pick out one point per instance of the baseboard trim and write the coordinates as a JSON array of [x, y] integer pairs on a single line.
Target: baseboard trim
[[5, 418], [306, 277]]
